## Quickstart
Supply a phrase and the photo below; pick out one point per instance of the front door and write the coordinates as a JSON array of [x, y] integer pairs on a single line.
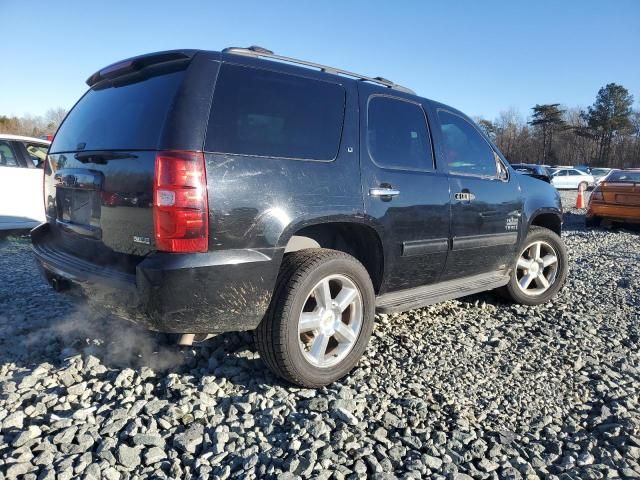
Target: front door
[[405, 195], [486, 204]]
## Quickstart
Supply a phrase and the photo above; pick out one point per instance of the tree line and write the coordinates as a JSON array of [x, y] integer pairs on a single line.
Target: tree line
[[606, 134], [33, 125]]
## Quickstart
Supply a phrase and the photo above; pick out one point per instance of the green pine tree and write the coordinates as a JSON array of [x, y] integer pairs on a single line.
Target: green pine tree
[[609, 116]]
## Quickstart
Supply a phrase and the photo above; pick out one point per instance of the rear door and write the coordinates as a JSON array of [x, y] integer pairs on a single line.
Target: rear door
[[486, 204], [403, 190]]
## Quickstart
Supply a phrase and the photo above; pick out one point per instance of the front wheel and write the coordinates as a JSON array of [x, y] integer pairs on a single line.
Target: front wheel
[[540, 269], [320, 318]]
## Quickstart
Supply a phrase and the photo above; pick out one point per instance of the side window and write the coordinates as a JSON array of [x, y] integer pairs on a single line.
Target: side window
[[7, 155], [465, 150], [270, 114], [397, 135], [37, 153]]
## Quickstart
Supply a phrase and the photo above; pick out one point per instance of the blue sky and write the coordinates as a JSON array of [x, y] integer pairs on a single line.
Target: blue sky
[[479, 56]]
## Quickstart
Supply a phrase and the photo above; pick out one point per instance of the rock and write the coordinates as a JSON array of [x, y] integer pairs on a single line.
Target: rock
[[111, 473], [65, 436], [128, 457], [346, 416], [26, 436], [154, 455], [15, 420], [18, 469], [148, 440], [487, 465], [389, 420], [318, 404], [434, 463], [380, 434], [190, 440]]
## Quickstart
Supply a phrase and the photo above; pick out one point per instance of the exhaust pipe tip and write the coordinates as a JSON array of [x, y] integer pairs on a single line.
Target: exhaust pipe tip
[[188, 339]]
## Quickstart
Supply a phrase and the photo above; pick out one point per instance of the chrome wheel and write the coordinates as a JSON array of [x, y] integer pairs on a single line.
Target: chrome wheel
[[330, 321], [537, 268]]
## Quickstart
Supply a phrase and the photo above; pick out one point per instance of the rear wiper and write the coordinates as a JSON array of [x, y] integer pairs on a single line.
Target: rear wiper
[[102, 158]]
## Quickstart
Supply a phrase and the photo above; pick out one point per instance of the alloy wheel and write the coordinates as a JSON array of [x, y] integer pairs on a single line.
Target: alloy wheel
[[537, 268], [330, 321]]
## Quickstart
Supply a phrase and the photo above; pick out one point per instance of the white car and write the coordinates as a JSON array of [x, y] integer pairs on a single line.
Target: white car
[[571, 178], [21, 163]]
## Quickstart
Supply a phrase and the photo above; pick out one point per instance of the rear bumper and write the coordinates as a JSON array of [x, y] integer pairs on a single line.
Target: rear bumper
[[211, 292], [620, 213]]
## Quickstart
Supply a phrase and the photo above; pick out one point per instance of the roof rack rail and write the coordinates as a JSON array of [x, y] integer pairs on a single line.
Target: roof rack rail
[[255, 51]]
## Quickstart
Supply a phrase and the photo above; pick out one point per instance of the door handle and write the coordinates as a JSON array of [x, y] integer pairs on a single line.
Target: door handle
[[384, 192], [489, 213], [464, 196]]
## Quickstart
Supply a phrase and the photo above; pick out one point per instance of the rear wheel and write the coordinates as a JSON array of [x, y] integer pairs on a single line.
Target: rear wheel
[[540, 269], [320, 318]]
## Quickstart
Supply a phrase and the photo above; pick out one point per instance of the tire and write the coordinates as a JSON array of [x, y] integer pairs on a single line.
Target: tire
[[583, 186], [592, 222], [283, 344], [534, 294]]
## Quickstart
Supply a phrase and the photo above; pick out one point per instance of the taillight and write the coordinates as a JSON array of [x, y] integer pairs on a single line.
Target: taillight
[[596, 195], [180, 208]]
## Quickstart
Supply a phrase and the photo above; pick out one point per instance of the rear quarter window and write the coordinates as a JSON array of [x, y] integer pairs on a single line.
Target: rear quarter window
[[269, 114], [119, 115]]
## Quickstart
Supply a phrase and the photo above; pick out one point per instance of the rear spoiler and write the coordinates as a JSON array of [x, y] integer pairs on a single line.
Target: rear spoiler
[[138, 63]]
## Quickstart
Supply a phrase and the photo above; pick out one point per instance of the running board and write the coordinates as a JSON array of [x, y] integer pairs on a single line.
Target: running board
[[429, 294]]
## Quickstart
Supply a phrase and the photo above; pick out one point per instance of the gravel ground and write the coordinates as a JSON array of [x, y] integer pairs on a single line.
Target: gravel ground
[[475, 388]]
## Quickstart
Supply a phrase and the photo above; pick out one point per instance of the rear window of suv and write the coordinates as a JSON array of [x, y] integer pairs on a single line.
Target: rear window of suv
[[124, 115], [268, 114]]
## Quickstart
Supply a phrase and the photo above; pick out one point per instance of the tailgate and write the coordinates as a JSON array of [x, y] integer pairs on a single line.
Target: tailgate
[[106, 202]]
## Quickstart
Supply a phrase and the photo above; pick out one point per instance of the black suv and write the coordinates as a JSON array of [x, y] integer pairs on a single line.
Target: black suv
[[198, 192]]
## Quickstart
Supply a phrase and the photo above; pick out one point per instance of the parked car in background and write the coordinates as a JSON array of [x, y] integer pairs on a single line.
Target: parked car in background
[[615, 199], [536, 171], [599, 174], [583, 168], [571, 178], [21, 163]]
